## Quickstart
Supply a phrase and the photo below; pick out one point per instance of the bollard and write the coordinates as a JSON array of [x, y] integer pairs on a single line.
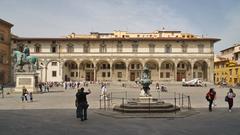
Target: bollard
[[179, 98], [123, 104], [175, 104], [100, 102], [189, 103], [182, 100], [111, 97], [104, 102], [126, 94], [149, 104]]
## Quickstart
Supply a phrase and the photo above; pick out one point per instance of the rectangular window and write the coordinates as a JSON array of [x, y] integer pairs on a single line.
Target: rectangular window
[[54, 63], [76, 74], [1, 37], [54, 49], [88, 65], [200, 48], [103, 74], [167, 74], [54, 73], [37, 49], [135, 48], [1, 59], [109, 74], [151, 48], [132, 66], [119, 74], [138, 66], [161, 75], [167, 66], [86, 48], [72, 74], [119, 47]]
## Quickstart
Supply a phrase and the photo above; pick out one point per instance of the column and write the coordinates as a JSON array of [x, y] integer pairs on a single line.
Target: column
[[126, 72], [159, 70], [111, 71], [45, 68], [95, 72], [78, 71]]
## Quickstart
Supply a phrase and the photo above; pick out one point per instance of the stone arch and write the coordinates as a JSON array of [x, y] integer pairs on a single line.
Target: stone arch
[[200, 70], [154, 68], [70, 70], [184, 70], [103, 69], [87, 70], [167, 70], [118, 70], [135, 68]]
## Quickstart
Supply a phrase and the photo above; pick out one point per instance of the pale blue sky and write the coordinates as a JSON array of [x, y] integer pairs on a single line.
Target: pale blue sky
[[56, 18]]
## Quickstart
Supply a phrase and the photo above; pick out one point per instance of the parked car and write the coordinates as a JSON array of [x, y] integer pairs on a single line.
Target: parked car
[[195, 82]]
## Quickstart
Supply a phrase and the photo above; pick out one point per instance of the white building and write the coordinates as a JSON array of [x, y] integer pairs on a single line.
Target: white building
[[170, 55]]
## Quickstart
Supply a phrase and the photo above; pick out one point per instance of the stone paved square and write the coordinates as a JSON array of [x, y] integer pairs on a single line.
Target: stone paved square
[[54, 113]]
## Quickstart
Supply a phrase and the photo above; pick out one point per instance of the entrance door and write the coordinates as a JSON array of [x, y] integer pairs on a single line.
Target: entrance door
[[132, 76], [89, 76], [181, 75]]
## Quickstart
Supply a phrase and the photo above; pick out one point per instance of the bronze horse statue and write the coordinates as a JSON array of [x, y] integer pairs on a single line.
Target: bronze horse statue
[[22, 59]]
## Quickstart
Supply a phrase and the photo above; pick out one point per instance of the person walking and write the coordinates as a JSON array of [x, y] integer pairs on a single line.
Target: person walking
[[82, 104], [210, 96], [24, 94], [230, 96], [104, 92]]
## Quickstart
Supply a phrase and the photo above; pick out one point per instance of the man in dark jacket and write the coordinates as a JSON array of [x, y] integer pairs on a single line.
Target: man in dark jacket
[[81, 103]]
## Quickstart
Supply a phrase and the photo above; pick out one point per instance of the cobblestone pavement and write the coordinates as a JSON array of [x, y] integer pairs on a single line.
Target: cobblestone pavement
[[54, 113]]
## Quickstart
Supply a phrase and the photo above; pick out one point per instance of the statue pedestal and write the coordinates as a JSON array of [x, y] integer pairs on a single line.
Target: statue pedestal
[[27, 79]]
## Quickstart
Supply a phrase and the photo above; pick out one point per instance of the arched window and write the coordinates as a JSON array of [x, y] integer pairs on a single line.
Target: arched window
[[168, 48], [135, 47], [70, 48], [103, 48], [53, 48], [184, 47], [151, 48], [200, 48], [119, 46], [37, 48], [86, 48]]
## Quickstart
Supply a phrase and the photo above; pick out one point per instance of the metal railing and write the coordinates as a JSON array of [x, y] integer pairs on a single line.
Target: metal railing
[[109, 100]]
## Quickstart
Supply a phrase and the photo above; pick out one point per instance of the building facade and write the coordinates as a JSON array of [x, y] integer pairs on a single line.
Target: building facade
[[121, 56], [226, 66], [5, 55]]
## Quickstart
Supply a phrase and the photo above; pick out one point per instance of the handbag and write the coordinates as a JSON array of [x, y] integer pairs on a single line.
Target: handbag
[[226, 98]]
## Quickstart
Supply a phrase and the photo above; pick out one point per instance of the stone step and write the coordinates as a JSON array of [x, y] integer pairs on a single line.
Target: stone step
[[146, 106], [146, 110]]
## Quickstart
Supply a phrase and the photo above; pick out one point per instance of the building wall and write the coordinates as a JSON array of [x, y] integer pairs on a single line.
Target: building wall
[[192, 58], [5, 67]]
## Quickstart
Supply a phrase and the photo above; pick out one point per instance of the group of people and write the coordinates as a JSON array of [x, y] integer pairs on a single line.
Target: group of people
[[26, 94], [211, 96], [44, 87], [74, 85]]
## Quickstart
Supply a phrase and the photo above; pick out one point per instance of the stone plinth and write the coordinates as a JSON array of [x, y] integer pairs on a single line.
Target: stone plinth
[[27, 79]]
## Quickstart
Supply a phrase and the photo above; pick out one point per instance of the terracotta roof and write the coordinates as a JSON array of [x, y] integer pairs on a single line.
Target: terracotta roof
[[115, 39], [6, 23]]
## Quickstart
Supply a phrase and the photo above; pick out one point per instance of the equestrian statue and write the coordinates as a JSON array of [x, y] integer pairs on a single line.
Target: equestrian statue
[[24, 58]]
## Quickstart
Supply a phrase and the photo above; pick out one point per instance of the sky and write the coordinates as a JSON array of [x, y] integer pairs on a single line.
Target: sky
[[57, 18]]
